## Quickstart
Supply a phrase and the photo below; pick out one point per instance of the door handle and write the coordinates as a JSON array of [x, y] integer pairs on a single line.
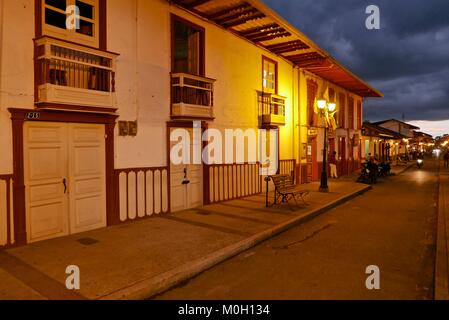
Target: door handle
[[64, 182], [185, 180]]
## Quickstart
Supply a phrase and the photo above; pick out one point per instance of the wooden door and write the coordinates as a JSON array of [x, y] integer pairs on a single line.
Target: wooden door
[[186, 179], [87, 177], [45, 168]]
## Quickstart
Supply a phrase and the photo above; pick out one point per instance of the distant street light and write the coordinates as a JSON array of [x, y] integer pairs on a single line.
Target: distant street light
[[327, 111]]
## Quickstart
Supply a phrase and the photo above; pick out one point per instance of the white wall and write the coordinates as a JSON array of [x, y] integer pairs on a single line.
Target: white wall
[[16, 65]]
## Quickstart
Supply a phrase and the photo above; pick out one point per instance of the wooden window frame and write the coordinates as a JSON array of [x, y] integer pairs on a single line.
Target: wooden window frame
[[276, 74], [342, 109], [351, 108], [359, 115], [202, 54], [312, 91], [99, 41]]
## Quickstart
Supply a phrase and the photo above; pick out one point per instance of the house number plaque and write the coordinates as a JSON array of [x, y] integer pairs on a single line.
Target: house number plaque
[[32, 115]]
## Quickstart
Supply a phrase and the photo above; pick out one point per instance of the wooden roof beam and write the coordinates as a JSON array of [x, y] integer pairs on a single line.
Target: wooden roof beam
[[265, 33], [273, 36], [236, 16], [195, 3], [244, 20], [287, 46], [251, 31], [228, 11]]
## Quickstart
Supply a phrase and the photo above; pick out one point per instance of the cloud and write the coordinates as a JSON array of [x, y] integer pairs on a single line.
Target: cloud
[[407, 59]]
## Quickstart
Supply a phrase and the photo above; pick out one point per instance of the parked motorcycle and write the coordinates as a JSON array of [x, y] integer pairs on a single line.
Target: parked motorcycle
[[364, 174], [384, 169]]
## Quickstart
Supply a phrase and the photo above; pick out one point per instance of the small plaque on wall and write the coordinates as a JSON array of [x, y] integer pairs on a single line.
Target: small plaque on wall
[[304, 150], [132, 128], [123, 129]]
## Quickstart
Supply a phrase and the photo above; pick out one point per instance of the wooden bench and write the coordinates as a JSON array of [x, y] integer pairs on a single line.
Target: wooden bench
[[285, 189]]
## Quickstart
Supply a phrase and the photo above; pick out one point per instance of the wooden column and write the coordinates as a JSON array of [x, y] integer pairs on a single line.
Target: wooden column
[[20, 234]]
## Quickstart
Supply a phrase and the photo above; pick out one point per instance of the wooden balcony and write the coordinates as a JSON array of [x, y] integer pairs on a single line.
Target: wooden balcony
[[192, 96], [272, 109], [75, 75]]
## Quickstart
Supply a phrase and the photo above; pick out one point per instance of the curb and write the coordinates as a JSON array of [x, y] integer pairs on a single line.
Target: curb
[[148, 288], [442, 250]]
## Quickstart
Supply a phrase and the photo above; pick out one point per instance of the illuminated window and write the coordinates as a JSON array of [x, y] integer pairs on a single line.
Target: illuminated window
[[269, 75], [54, 15]]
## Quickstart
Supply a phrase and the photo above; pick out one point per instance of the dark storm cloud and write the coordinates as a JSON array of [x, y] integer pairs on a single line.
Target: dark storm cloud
[[408, 59]]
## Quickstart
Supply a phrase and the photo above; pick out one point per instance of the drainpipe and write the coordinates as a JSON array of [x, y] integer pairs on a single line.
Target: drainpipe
[[293, 112], [298, 72], [136, 82], [2, 4]]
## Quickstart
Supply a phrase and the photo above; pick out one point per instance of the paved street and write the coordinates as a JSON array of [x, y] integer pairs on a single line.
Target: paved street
[[393, 226]]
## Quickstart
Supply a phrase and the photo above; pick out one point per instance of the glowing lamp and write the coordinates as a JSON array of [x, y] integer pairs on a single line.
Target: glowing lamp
[[332, 107], [321, 104]]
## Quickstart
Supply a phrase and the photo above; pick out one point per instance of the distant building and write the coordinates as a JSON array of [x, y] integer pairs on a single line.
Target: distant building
[[403, 128], [382, 143]]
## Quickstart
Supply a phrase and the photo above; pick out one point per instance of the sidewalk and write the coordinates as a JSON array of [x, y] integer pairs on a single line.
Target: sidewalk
[[138, 260], [442, 259]]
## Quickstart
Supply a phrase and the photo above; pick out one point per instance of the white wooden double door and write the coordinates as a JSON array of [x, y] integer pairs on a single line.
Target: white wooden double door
[[65, 178]]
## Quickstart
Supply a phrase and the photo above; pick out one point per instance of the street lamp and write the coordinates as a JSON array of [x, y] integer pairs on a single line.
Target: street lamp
[[327, 111]]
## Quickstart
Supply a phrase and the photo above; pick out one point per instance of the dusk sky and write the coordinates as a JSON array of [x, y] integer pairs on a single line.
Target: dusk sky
[[407, 59]]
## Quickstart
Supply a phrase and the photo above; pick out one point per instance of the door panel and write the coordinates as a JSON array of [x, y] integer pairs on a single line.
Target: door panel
[[87, 177], [195, 188], [45, 159]]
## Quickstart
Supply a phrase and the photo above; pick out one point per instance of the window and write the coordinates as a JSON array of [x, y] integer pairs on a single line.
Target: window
[[351, 113], [269, 82], [187, 47], [312, 90], [341, 110], [359, 115], [55, 17]]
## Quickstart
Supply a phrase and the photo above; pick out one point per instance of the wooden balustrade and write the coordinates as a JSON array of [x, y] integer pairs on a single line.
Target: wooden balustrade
[[272, 109], [233, 181], [288, 167], [142, 192], [6, 211], [192, 96], [73, 74]]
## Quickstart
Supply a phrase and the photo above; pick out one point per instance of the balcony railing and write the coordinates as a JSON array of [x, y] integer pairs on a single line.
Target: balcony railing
[[68, 73], [192, 96], [272, 109]]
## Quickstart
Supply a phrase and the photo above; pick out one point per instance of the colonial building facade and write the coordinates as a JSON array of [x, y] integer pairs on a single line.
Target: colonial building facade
[[86, 114]]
